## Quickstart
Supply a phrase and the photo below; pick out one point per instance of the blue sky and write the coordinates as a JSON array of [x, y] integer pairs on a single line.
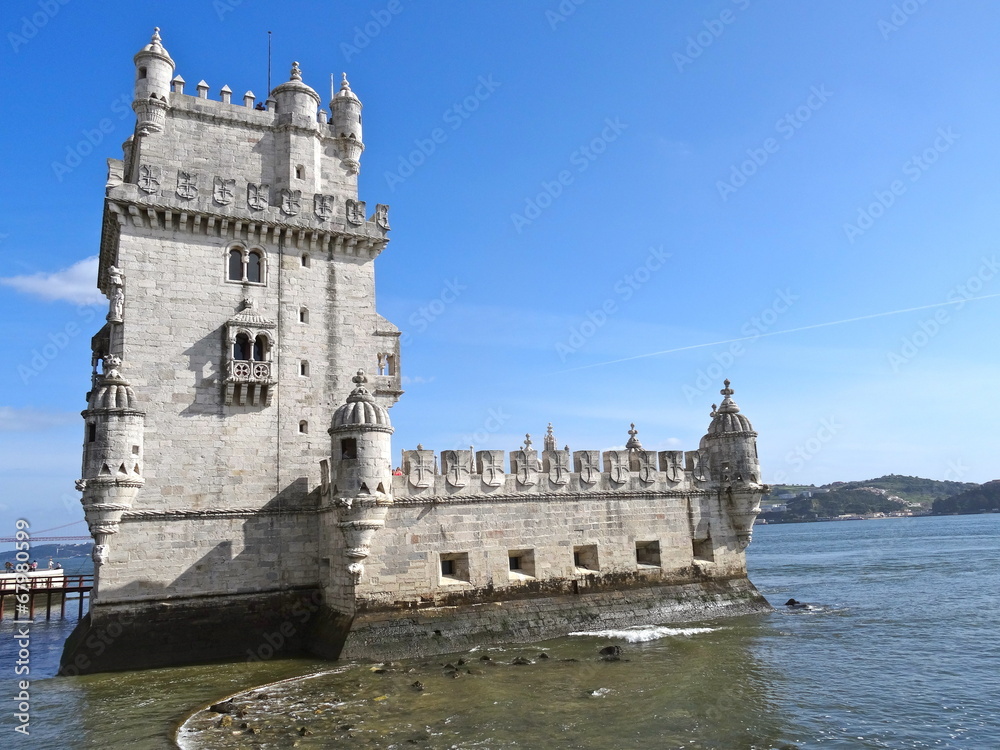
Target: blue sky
[[587, 197]]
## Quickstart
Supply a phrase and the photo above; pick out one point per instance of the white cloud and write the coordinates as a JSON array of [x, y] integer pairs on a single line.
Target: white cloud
[[75, 284], [31, 420]]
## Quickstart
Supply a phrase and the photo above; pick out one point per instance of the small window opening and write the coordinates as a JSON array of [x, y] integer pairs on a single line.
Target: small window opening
[[303, 427], [702, 550], [454, 567], [521, 564], [135, 450], [300, 173], [142, 73], [91, 432], [241, 347], [648, 553], [254, 268], [305, 260], [348, 448], [585, 558], [303, 368], [303, 315], [235, 265], [260, 348]]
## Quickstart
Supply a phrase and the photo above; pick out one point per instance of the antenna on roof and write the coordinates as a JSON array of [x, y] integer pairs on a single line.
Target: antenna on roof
[[269, 65]]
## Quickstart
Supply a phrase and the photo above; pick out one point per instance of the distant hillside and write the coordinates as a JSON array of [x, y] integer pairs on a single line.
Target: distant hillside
[[913, 489], [893, 493], [982, 499]]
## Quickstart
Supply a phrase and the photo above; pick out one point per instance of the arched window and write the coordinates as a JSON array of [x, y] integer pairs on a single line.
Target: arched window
[[300, 172], [303, 427], [260, 348], [305, 260], [254, 264], [241, 347], [235, 265], [304, 368], [303, 315]]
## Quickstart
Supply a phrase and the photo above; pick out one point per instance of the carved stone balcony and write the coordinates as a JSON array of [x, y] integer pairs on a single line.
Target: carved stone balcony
[[250, 382]]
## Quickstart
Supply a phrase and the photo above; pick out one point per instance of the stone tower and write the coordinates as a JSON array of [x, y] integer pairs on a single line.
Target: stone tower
[[238, 261]]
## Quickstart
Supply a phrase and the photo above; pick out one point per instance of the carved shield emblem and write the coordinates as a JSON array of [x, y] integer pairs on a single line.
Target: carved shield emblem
[[557, 464], [490, 465], [696, 465], [672, 462], [524, 464], [187, 185], [223, 191], [382, 216], [418, 466], [616, 464], [257, 195], [647, 466], [149, 179], [291, 201], [323, 206], [355, 212], [586, 463], [456, 467]]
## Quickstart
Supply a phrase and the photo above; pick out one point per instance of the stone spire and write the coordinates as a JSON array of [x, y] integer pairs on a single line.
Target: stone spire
[[550, 439]]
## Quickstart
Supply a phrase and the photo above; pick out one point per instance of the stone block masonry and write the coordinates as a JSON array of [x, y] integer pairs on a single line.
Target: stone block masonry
[[238, 461]]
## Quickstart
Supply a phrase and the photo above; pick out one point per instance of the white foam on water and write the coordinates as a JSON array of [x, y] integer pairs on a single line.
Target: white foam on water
[[643, 634]]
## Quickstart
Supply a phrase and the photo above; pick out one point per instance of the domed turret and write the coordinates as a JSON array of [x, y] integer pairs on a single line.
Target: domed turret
[[731, 445], [112, 454], [153, 71], [362, 474], [296, 98], [345, 109]]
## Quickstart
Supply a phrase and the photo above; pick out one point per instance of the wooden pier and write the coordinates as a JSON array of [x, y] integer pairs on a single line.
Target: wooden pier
[[46, 588]]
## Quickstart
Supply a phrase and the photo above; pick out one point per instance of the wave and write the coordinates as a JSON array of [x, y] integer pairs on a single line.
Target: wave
[[641, 634]]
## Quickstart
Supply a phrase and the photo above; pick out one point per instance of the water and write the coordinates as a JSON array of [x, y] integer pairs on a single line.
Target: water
[[898, 649]]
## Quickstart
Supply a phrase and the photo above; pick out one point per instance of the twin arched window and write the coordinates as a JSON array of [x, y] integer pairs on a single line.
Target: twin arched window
[[246, 265], [244, 349]]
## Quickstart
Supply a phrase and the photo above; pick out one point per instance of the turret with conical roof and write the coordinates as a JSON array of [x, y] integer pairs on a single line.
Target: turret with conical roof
[[112, 454], [345, 110], [731, 447], [153, 71]]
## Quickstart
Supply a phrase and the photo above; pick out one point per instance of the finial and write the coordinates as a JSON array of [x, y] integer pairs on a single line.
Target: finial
[[633, 442], [727, 391], [527, 440], [247, 303], [713, 412], [420, 446], [296, 72], [344, 85], [550, 438], [360, 378], [156, 35]]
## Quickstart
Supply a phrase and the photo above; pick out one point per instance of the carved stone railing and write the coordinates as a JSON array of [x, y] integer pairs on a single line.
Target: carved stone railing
[[248, 381]]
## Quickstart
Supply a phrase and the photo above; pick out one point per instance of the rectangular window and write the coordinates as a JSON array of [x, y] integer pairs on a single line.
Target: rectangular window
[[454, 567], [702, 550], [647, 554], [348, 448], [91, 432], [585, 558], [521, 564]]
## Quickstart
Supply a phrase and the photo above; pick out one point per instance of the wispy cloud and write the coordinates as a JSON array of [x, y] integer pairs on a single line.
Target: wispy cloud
[[74, 284], [32, 420]]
